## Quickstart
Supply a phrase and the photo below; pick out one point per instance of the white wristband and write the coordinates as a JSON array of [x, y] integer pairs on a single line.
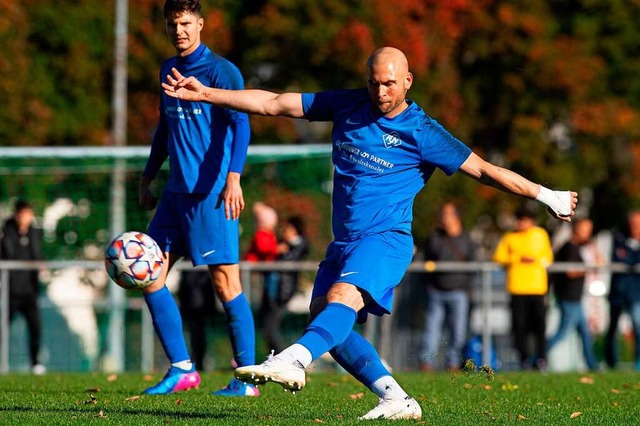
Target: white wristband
[[558, 201]]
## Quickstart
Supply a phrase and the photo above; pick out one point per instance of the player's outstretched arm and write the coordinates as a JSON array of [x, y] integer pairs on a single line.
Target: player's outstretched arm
[[560, 204], [251, 101]]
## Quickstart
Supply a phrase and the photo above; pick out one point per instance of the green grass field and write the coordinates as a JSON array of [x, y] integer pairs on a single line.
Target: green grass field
[[611, 398]]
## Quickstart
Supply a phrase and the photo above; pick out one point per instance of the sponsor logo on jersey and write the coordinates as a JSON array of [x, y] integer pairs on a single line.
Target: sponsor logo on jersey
[[391, 139]]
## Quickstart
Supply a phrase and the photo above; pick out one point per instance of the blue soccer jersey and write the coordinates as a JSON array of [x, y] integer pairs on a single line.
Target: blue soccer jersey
[[203, 142], [380, 163]]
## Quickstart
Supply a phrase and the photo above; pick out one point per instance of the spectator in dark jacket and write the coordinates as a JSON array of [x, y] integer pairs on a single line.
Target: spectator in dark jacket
[[448, 292], [625, 289], [21, 240], [569, 287]]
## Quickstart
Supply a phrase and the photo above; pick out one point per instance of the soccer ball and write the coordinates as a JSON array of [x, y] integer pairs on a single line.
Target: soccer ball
[[133, 260]]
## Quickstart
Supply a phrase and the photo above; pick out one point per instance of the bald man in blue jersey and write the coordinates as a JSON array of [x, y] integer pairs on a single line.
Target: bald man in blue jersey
[[197, 215], [385, 148]]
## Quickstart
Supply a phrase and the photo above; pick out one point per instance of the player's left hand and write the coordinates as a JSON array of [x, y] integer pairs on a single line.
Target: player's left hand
[[561, 204], [181, 87], [232, 196]]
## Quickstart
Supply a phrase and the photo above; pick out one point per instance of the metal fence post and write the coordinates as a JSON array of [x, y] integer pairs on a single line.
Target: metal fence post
[[486, 314], [4, 321]]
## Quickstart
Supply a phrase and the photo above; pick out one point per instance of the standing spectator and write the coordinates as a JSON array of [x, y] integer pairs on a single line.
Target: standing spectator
[[569, 287], [294, 246], [264, 248], [21, 240], [448, 292], [625, 289], [264, 244], [526, 253]]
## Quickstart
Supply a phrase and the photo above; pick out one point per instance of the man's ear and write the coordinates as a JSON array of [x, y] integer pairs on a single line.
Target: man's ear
[[409, 80]]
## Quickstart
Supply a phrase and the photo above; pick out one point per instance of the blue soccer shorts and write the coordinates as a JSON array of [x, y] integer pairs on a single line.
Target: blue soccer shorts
[[373, 263], [195, 225]]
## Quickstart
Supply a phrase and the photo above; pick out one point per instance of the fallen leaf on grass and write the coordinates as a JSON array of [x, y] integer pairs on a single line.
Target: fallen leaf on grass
[[178, 402], [615, 404], [101, 415], [614, 390], [521, 417], [112, 377], [487, 387], [332, 384], [147, 377], [92, 400], [133, 398], [509, 387], [467, 386], [356, 395], [576, 414], [317, 421], [586, 380]]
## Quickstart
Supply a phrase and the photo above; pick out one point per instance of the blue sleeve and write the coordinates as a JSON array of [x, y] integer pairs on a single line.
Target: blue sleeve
[[442, 149], [317, 106], [239, 123], [323, 106], [228, 76], [159, 151]]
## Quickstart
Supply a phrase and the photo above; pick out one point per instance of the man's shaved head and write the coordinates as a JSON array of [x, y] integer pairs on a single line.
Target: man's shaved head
[[386, 56], [388, 80]]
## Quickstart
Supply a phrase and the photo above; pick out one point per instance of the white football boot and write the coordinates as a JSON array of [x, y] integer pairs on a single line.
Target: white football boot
[[395, 409], [291, 376]]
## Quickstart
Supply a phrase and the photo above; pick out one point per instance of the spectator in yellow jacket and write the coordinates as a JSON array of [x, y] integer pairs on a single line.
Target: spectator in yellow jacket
[[526, 253]]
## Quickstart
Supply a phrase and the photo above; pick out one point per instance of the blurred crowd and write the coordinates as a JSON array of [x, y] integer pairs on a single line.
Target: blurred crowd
[[526, 252]]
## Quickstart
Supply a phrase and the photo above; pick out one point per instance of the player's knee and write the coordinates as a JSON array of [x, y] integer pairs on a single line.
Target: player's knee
[[347, 294]]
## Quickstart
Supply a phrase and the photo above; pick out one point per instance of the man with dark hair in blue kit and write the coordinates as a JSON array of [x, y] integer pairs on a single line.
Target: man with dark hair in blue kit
[[198, 211]]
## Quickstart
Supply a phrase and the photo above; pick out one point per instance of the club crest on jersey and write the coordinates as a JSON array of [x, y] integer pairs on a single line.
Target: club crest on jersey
[[391, 139]]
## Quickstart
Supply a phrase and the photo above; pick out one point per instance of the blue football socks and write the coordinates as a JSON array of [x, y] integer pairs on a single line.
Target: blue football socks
[[241, 330], [360, 359], [328, 329], [168, 324]]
